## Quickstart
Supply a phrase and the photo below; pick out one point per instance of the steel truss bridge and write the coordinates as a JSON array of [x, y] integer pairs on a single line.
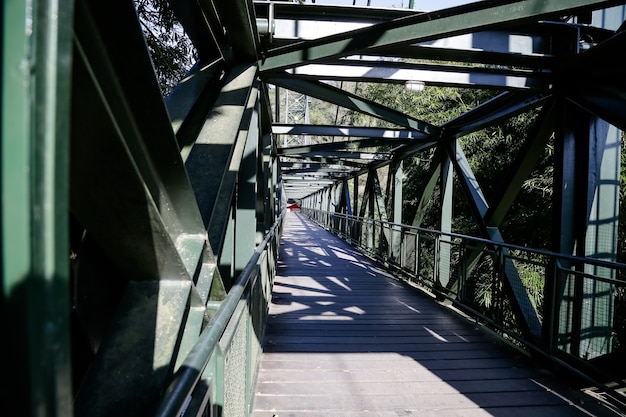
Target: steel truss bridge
[[140, 232]]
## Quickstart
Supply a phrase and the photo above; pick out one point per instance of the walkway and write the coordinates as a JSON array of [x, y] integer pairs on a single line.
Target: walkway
[[345, 339]]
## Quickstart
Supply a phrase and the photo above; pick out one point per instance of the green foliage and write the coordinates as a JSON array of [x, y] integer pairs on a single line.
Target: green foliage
[[434, 105], [490, 152], [171, 51]]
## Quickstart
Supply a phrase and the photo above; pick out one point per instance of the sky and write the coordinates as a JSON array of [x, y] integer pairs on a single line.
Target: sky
[[426, 5]]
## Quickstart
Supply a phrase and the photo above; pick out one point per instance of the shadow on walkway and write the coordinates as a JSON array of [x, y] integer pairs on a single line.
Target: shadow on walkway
[[347, 339]]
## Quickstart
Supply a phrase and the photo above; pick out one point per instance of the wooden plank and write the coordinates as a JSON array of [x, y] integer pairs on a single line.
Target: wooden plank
[[408, 401], [393, 387], [407, 374], [347, 339], [330, 361], [543, 411]]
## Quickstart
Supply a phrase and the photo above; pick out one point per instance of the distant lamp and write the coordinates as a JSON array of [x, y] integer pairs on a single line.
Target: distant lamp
[[415, 86]]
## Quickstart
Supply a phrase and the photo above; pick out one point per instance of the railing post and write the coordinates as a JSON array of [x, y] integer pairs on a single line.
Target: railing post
[[389, 238], [436, 281], [462, 272], [402, 248], [417, 253], [550, 307]]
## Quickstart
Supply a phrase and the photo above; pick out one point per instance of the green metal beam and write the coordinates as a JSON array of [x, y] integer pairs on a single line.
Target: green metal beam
[[148, 181], [587, 173], [211, 154], [401, 72], [518, 296], [594, 80], [188, 103], [333, 155], [350, 101], [352, 145], [36, 58], [536, 46], [202, 25], [329, 160], [136, 358], [521, 168], [428, 188], [246, 232], [486, 114], [446, 276], [422, 27], [346, 131], [240, 27], [226, 193], [335, 171], [145, 249]]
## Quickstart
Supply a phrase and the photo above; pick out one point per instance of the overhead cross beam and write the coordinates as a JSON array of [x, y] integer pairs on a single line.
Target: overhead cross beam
[[424, 27], [346, 131], [350, 101], [362, 70]]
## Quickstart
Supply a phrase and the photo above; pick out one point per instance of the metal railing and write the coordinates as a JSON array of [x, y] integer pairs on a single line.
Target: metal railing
[[579, 303], [211, 380]]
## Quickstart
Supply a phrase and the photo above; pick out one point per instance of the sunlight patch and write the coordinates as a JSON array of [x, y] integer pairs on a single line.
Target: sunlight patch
[[337, 281], [461, 337], [354, 309], [409, 307], [435, 335], [328, 316], [343, 255]]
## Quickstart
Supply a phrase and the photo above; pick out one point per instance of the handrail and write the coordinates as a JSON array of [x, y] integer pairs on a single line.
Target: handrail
[[188, 374], [428, 277], [543, 252]]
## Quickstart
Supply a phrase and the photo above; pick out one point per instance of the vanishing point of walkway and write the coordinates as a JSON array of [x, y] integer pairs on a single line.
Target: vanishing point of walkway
[[346, 339]]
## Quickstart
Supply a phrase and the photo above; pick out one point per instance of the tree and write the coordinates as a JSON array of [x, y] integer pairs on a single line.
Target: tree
[[171, 50]]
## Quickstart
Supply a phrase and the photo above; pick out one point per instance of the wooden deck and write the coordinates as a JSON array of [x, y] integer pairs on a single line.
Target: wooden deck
[[346, 339]]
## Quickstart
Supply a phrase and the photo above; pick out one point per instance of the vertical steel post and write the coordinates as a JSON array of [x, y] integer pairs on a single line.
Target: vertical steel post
[[446, 221], [395, 242], [588, 202], [245, 231], [36, 71]]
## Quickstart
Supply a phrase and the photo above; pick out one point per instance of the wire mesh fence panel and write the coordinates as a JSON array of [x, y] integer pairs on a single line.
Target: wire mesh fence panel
[[425, 274]]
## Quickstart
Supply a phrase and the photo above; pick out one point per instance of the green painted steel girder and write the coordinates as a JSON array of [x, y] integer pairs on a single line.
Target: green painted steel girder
[[503, 105], [422, 27], [211, 154], [346, 131], [203, 26], [521, 168], [594, 80], [247, 130], [188, 102], [36, 57], [426, 193], [344, 154], [290, 162], [240, 27], [537, 45], [334, 171], [133, 135], [526, 314], [350, 101], [386, 71], [352, 145]]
